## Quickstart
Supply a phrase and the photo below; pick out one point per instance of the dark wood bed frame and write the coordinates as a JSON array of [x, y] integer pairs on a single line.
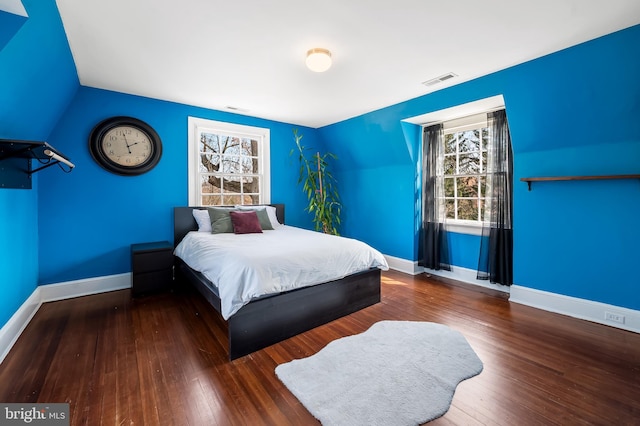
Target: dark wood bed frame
[[271, 319]]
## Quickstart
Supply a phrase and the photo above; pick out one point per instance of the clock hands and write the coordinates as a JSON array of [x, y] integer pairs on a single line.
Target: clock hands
[[127, 143]]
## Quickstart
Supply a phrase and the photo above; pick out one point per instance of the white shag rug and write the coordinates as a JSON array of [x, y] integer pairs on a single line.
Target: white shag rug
[[395, 373]]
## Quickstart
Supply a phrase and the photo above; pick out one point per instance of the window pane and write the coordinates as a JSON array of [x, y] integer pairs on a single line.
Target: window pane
[[211, 200], [483, 186], [242, 146], [451, 209], [224, 144], [249, 165], [449, 189], [250, 147], [209, 184], [482, 203], [450, 165], [250, 199], [209, 143], [230, 164], [231, 199], [230, 145], [468, 209], [485, 138], [450, 143], [467, 186], [250, 184], [469, 141], [231, 184], [469, 164], [209, 163]]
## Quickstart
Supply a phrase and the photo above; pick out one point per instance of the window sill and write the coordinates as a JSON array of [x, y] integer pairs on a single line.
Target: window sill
[[463, 227]]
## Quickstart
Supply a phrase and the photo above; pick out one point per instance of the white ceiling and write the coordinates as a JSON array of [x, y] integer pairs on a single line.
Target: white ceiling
[[13, 6], [249, 54]]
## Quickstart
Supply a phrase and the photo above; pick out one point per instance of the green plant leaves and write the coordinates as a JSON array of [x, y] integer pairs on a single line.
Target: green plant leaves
[[320, 187]]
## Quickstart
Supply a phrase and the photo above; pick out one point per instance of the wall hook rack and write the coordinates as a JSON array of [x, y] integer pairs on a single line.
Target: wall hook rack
[[16, 158]]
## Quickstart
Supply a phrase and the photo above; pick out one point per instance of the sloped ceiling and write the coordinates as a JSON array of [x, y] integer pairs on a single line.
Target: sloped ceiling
[[13, 6], [247, 56]]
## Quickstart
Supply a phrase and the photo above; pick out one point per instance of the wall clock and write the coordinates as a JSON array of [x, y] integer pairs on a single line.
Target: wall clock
[[125, 146]]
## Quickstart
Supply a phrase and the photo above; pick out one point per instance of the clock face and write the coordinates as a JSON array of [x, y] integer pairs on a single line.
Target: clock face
[[125, 146]]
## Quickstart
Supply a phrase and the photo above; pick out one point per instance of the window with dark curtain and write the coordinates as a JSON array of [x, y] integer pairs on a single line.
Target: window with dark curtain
[[434, 246], [496, 245]]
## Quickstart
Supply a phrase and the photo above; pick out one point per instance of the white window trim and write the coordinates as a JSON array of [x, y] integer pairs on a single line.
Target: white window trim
[[197, 125], [458, 226], [470, 122], [455, 112]]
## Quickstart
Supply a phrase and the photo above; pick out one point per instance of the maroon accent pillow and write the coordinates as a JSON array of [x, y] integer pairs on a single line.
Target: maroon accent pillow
[[245, 222]]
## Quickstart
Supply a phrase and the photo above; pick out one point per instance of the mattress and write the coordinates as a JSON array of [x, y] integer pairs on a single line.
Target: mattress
[[247, 266]]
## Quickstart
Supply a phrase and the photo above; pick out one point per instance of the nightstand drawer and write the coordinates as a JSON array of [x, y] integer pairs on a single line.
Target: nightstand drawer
[[151, 282], [148, 261]]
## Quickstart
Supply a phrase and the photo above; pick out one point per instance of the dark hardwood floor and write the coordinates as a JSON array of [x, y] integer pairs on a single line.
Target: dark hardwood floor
[[161, 360]]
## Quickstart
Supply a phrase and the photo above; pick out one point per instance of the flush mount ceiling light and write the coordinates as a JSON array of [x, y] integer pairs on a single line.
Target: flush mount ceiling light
[[318, 60]]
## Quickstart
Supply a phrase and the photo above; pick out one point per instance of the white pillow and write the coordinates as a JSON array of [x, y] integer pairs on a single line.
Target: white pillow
[[202, 219], [271, 212]]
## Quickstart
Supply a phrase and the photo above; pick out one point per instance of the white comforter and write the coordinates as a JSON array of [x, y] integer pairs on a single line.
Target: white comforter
[[246, 266]]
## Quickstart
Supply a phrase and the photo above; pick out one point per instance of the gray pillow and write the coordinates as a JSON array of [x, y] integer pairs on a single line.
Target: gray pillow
[[220, 220], [263, 217]]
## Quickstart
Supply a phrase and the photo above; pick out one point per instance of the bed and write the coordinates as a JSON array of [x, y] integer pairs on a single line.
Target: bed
[[271, 318]]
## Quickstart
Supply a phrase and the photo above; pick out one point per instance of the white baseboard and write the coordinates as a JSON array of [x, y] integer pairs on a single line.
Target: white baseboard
[[552, 302], [467, 276], [403, 265], [457, 273], [84, 287], [574, 307], [10, 332]]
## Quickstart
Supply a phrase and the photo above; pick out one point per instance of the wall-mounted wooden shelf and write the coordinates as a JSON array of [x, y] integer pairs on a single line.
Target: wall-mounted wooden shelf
[[529, 180], [16, 157]]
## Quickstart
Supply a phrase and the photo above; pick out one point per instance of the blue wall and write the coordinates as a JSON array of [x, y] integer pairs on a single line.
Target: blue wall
[[90, 217], [575, 112], [37, 74], [9, 26], [37, 81], [18, 249]]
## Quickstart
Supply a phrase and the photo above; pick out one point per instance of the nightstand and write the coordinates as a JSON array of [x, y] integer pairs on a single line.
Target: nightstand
[[151, 267]]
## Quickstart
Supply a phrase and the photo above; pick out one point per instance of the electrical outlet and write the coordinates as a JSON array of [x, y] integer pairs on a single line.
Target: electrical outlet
[[611, 316]]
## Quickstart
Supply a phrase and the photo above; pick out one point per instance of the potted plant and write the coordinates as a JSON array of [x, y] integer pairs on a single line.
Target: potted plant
[[319, 184]]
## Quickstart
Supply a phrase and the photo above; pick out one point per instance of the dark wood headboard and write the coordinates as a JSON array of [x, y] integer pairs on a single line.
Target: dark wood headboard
[[183, 220]]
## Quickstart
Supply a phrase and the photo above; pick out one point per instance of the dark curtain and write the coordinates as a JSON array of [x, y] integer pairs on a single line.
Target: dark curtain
[[496, 245], [435, 250]]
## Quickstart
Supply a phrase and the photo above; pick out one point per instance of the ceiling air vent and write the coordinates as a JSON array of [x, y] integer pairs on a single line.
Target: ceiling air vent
[[440, 79], [233, 108]]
